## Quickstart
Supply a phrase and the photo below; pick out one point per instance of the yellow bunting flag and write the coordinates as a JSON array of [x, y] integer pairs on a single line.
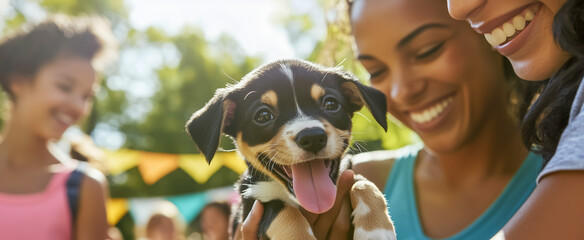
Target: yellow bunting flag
[[121, 160], [196, 166], [116, 209], [233, 161], [154, 166]]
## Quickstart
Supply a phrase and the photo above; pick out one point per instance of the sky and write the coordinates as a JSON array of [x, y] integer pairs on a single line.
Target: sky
[[255, 24]]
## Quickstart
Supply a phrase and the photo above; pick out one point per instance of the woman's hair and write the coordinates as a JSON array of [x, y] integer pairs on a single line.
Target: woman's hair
[[25, 52], [223, 207], [548, 116]]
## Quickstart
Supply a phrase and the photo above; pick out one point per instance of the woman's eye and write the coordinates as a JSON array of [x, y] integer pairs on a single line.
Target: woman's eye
[[375, 74], [263, 116], [331, 104], [428, 52], [65, 88]]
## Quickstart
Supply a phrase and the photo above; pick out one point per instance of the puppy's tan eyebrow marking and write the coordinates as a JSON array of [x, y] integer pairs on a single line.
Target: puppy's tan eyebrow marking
[[316, 92], [270, 98]]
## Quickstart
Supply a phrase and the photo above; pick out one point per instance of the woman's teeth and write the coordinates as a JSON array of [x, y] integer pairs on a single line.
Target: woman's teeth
[[64, 118], [506, 31], [432, 112]]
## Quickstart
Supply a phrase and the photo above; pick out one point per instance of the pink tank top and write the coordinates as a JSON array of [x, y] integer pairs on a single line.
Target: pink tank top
[[43, 215]]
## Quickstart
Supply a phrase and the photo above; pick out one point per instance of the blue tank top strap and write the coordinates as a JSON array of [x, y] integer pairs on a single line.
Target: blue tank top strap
[[402, 204], [74, 189]]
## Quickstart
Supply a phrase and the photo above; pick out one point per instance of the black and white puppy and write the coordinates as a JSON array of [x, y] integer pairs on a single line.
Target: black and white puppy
[[291, 122]]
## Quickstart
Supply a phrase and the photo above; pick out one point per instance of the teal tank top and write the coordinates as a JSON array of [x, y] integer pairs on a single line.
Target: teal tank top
[[401, 197]]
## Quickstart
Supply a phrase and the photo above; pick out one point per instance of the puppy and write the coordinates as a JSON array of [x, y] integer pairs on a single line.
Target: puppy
[[291, 122]]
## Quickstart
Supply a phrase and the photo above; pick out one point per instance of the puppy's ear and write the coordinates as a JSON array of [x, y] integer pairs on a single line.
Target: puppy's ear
[[206, 125], [372, 98]]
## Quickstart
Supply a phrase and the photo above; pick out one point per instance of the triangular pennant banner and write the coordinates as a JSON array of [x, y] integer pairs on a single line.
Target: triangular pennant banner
[[116, 209], [196, 166], [154, 166], [121, 160], [233, 161], [189, 205]]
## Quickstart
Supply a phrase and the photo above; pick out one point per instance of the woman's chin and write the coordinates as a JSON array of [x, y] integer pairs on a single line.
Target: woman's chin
[[531, 71], [538, 68]]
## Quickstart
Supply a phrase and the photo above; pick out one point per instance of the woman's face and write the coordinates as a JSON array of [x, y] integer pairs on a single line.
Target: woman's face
[[440, 78], [518, 29], [57, 97]]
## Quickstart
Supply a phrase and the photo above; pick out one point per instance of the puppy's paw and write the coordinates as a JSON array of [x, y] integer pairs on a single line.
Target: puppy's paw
[[290, 224], [375, 234], [370, 216]]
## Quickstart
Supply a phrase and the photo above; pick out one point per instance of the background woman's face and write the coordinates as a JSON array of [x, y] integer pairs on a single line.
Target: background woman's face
[[58, 96], [440, 78], [214, 224], [518, 29]]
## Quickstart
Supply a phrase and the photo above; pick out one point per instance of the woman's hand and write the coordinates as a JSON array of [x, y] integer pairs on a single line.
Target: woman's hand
[[249, 229], [335, 223]]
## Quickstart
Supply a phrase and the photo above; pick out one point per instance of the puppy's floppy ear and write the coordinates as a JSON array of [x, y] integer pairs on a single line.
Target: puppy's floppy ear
[[372, 98], [206, 125]]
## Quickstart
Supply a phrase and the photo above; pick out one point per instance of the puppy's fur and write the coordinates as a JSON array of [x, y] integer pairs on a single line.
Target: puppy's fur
[[291, 121]]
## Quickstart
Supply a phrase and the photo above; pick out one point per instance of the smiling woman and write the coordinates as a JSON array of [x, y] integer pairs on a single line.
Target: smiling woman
[[48, 73], [550, 48], [447, 84]]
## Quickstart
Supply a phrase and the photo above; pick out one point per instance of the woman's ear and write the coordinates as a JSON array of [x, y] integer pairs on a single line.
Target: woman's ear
[[18, 84]]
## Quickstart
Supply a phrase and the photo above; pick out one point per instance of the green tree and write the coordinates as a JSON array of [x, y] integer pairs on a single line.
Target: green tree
[[185, 88]]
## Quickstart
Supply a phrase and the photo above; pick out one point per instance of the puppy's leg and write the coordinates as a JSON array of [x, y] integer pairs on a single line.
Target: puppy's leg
[[370, 216], [290, 224]]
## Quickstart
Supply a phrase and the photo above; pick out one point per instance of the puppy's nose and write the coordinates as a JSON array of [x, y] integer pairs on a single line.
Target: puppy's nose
[[311, 139]]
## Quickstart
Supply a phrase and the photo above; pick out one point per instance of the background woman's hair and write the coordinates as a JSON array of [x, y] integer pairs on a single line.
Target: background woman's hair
[[25, 52], [548, 116], [223, 207]]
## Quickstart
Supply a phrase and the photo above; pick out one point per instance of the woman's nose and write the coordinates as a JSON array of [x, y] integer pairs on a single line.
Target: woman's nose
[[405, 88], [463, 9], [79, 105]]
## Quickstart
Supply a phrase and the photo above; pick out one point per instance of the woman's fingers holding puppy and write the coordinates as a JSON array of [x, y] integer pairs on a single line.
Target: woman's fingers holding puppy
[[335, 223], [342, 227], [249, 227]]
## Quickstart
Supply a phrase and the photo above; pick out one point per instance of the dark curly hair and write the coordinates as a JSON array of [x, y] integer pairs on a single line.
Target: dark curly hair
[[25, 52], [548, 116]]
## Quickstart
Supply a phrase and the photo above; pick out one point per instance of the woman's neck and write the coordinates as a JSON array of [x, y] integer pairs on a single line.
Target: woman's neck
[[496, 151], [19, 147]]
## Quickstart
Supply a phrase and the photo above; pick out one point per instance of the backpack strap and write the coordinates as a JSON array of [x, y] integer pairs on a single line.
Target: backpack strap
[[74, 189]]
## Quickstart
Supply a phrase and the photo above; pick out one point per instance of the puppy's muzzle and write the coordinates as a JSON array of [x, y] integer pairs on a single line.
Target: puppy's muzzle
[[311, 139]]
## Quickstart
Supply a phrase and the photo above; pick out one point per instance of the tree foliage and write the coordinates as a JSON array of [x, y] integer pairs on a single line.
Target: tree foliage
[[161, 79]]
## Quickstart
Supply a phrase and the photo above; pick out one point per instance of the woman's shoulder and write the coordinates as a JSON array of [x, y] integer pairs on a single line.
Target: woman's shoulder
[[569, 155], [377, 165], [94, 179]]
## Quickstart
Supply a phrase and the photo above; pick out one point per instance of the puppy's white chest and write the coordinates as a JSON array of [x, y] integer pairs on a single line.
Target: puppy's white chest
[[268, 191]]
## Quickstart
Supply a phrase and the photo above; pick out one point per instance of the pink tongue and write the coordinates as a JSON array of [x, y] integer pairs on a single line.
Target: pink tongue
[[313, 187]]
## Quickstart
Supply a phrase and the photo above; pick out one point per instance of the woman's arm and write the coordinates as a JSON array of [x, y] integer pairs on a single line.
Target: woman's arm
[[555, 210], [91, 219]]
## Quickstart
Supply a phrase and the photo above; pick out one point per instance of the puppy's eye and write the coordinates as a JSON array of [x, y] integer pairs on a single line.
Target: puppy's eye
[[331, 104], [263, 116]]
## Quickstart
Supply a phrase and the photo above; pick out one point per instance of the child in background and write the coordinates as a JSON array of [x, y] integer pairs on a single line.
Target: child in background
[[165, 223], [48, 73], [215, 221]]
